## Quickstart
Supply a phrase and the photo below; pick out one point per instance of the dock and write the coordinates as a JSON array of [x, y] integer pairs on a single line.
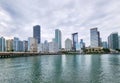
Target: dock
[[22, 54]]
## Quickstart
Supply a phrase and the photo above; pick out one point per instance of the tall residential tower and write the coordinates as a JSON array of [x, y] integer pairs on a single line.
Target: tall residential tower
[[37, 33]]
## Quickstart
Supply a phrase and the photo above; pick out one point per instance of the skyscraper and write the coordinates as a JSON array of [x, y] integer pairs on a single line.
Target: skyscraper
[[16, 44], [68, 44], [58, 38], [75, 40], [37, 33], [9, 45], [119, 42], [113, 41], [95, 37], [2, 44]]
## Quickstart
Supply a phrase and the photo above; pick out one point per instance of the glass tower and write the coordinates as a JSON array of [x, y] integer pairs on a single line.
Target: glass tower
[[75, 40], [94, 37], [113, 41], [58, 38], [36, 33]]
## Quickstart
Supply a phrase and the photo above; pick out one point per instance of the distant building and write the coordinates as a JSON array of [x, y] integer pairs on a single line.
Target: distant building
[[82, 45], [104, 44], [119, 42], [32, 44], [46, 46], [95, 37], [43, 47], [37, 33], [53, 47], [74, 40], [68, 44], [58, 38], [21, 49], [16, 44], [9, 45], [25, 46], [113, 41], [2, 44], [40, 48]]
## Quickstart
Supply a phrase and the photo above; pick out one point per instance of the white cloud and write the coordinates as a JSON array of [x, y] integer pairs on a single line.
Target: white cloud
[[17, 17]]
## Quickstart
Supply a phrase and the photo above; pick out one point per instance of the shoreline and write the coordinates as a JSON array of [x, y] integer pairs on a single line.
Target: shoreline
[[27, 54]]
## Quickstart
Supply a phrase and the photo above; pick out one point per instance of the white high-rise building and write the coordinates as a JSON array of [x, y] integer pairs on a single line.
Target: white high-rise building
[[53, 47], [68, 44], [32, 44]]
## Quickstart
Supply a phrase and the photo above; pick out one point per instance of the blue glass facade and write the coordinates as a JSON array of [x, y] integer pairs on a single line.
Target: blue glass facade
[[58, 38], [2, 44], [95, 37], [36, 33], [113, 41], [75, 40], [16, 44]]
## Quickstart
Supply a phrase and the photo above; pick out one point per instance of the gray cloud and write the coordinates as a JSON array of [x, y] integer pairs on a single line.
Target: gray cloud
[[17, 17]]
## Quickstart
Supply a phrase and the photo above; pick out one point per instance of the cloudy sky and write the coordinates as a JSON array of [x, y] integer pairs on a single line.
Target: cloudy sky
[[17, 18]]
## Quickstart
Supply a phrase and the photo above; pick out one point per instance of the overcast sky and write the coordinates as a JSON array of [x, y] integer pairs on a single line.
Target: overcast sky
[[17, 18]]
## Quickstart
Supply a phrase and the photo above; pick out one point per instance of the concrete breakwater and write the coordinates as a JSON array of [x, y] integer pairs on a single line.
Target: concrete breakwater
[[22, 54]]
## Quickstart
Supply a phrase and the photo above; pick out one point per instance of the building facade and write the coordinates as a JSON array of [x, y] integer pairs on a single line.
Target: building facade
[[58, 38], [37, 33], [119, 42], [2, 44], [95, 37], [9, 45], [53, 47], [113, 41], [32, 44], [68, 44], [82, 45], [104, 44], [74, 40], [25, 46], [16, 44]]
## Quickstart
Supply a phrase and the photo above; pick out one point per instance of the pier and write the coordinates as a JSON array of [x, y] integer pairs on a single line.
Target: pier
[[22, 54]]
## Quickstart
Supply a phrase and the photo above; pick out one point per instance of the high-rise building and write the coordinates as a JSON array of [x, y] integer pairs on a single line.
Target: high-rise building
[[21, 49], [25, 46], [37, 33], [119, 42], [16, 44], [113, 41], [95, 37], [104, 44], [2, 44], [82, 46], [9, 45], [32, 44], [74, 40], [58, 38], [68, 44]]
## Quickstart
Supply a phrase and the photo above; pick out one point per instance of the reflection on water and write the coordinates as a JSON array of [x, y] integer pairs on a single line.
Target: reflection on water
[[61, 69]]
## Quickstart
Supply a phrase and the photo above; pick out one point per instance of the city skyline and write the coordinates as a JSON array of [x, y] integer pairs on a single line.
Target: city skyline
[[17, 20]]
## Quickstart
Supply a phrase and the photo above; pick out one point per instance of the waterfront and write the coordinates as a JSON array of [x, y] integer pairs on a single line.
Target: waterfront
[[61, 69]]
